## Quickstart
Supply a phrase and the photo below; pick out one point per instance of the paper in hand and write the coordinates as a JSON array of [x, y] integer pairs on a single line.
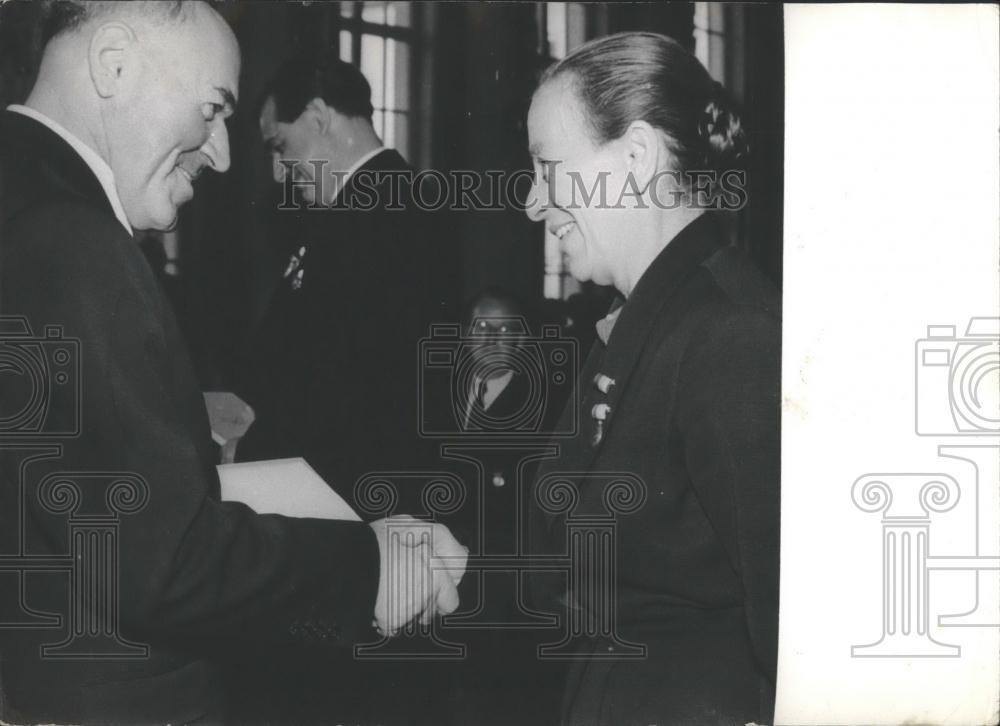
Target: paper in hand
[[283, 486]]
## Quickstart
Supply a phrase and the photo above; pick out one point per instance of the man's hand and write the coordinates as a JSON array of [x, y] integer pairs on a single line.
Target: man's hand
[[421, 566]]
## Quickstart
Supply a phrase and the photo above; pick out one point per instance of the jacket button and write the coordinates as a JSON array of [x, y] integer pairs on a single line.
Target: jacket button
[[498, 479]]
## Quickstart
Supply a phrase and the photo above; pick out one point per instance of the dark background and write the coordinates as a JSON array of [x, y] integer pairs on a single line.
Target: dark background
[[475, 68]]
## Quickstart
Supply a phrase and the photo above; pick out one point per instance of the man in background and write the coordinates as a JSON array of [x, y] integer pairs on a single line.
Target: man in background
[[128, 109], [332, 370]]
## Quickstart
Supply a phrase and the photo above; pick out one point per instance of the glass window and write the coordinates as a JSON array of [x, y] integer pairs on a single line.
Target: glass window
[[346, 46], [379, 37], [373, 13], [398, 13]]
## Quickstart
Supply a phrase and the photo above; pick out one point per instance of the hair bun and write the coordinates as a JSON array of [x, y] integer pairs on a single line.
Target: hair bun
[[722, 131]]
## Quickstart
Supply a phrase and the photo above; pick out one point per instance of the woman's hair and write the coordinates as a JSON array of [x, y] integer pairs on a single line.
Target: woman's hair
[[630, 77]]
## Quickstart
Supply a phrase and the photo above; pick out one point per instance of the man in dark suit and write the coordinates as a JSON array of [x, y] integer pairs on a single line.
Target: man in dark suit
[[331, 372], [363, 280], [129, 107]]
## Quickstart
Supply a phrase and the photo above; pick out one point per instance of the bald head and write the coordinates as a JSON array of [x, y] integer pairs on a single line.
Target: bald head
[[148, 85], [67, 16]]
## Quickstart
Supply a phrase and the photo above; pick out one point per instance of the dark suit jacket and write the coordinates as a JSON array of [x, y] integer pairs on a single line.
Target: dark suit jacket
[[332, 372], [191, 570], [695, 415]]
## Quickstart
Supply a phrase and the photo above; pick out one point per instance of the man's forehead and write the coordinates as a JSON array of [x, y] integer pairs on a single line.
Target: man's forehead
[[213, 50]]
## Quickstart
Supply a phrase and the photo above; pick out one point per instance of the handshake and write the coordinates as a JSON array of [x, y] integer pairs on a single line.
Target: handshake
[[421, 564]]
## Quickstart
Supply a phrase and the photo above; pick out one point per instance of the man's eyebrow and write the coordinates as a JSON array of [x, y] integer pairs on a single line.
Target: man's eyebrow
[[228, 97]]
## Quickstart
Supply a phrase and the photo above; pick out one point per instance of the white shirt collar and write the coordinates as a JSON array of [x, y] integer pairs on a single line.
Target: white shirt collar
[[101, 170], [606, 324], [357, 165]]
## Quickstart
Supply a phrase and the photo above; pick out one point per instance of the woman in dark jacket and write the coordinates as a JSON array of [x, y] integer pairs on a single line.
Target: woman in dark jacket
[[635, 147]]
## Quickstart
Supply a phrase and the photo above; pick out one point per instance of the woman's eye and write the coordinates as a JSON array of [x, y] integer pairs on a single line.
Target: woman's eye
[[212, 110], [542, 172]]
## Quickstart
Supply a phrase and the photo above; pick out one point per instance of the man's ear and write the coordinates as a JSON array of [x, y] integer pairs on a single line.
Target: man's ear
[[319, 114], [643, 151], [107, 56]]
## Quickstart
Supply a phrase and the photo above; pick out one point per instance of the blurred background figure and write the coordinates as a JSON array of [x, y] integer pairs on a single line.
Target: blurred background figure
[[495, 326], [330, 372]]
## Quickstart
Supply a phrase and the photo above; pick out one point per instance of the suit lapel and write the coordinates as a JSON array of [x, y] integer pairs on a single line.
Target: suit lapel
[[46, 158]]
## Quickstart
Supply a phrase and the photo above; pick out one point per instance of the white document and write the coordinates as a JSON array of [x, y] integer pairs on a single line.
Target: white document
[[283, 486]]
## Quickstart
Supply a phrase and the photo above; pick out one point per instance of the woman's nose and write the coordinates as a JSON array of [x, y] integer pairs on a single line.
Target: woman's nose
[[277, 168], [537, 201]]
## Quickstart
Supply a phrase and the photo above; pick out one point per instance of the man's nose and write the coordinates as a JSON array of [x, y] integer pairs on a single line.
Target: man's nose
[[217, 146]]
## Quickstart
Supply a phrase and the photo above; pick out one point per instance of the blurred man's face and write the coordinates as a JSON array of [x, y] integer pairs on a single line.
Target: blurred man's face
[[493, 330], [166, 122], [296, 143], [316, 141]]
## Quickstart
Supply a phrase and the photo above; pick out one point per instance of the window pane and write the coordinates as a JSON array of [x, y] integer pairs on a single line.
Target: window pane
[[373, 66], [346, 46], [397, 133], [701, 16], [378, 121], [347, 10], [373, 13], [390, 74], [389, 137], [399, 14], [397, 75], [555, 21]]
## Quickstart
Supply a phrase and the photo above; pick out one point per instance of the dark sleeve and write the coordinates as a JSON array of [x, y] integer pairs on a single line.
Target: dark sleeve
[[189, 564], [729, 418]]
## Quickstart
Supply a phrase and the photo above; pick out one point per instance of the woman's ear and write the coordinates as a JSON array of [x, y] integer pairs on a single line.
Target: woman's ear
[[645, 152], [108, 56]]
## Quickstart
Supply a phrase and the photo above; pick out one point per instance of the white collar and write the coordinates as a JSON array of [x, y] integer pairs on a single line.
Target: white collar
[[606, 324], [97, 165], [357, 165]]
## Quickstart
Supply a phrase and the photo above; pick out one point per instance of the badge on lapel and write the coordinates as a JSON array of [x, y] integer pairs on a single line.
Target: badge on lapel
[[295, 271], [600, 411]]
